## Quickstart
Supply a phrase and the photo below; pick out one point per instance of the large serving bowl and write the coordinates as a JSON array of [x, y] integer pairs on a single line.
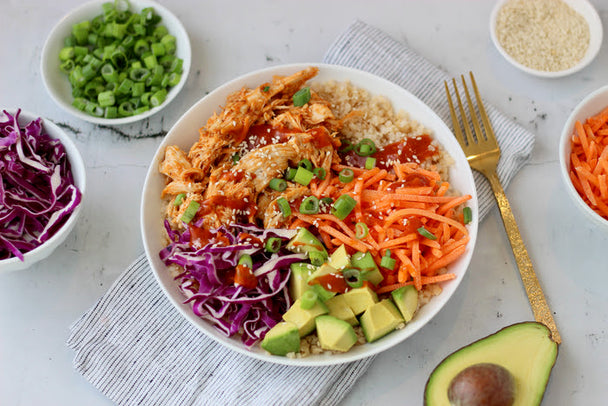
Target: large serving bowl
[[589, 106], [185, 132], [57, 83], [79, 174]]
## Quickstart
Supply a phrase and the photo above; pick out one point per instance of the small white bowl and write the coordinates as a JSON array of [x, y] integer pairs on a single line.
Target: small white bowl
[[79, 174], [586, 10], [57, 83], [185, 132], [589, 106]]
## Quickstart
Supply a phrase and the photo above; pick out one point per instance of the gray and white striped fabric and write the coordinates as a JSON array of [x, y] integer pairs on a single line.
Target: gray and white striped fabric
[[134, 346]]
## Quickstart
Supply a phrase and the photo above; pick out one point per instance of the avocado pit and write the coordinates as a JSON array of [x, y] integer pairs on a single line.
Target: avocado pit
[[484, 384]]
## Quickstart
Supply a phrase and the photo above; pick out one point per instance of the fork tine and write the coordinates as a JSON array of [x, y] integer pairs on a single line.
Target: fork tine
[[457, 131], [463, 115], [487, 126], [478, 133]]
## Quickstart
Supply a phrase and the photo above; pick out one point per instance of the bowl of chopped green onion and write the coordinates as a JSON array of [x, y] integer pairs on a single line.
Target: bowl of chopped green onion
[[116, 62]]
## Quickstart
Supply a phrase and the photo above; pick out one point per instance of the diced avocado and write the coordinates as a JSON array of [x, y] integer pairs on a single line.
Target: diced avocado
[[406, 299], [380, 319], [321, 292], [335, 334], [339, 259], [339, 308], [525, 350], [323, 270], [305, 241], [365, 262], [298, 281], [304, 319], [282, 339], [360, 299]]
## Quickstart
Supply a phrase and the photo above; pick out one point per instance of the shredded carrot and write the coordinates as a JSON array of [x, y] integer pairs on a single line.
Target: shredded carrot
[[425, 280], [589, 161], [394, 204]]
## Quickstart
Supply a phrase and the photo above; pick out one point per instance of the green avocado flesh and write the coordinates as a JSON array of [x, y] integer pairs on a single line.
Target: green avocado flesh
[[525, 349]]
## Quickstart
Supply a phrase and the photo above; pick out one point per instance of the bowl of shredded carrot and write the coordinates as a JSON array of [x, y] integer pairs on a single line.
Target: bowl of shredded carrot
[[584, 156], [410, 203]]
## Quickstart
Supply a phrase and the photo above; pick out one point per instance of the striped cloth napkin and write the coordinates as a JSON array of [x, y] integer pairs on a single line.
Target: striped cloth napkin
[[135, 347]]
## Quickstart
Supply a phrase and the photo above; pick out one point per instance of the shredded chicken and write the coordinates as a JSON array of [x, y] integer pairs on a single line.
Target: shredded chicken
[[230, 191]]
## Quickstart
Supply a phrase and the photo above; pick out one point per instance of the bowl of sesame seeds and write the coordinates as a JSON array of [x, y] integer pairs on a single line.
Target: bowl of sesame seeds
[[546, 38]]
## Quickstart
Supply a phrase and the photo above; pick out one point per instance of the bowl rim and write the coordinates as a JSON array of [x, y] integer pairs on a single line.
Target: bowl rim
[[78, 169], [565, 148], [46, 58], [586, 10], [259, 76]]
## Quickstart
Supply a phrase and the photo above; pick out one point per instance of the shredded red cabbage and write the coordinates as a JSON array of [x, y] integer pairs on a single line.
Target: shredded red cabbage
[[206, 278], [37, 191]]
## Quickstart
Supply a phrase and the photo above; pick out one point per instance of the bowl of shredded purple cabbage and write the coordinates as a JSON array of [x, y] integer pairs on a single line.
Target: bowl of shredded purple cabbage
[[42, 183]]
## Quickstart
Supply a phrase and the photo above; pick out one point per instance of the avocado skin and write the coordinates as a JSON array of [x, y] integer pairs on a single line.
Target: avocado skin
[[502, 348]]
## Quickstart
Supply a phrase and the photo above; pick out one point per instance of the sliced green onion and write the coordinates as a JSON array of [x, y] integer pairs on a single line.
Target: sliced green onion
[[158, 98], [80, 103], [67, 66], [235, 158], [266, 88], [353, 277], [346, 175], [190, 211], [317, 258], [426, 233], [310, 205], [137, 89], [301, 97], [361, 230], [246, 260], [346, 146], [66, 53], [108, 73], [106, 98], [343, 206], [370, 163], [158, 49], [467, 215], [308, 299], [320, 173], [139, 74], [290, 173], [111, 112], [284, 207], [179, 199], [305, 163], [327, 200], [278, 184], [125, 109], [273, 244], [303, 176], [365, 147], [388, 262]]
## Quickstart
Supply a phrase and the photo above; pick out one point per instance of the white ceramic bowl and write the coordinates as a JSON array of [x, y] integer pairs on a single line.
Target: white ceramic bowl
[[585, 9], [56, 82], [185, 132], [79, 174], [589, 106]]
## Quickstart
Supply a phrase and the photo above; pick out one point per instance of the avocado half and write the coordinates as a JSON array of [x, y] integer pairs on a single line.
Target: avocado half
[[525, 349]]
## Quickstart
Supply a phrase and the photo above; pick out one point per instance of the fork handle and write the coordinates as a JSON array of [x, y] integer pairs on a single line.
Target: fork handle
[[536, 297]]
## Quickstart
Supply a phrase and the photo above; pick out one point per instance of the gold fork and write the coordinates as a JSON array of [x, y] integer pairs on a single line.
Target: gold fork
[[483, 152]]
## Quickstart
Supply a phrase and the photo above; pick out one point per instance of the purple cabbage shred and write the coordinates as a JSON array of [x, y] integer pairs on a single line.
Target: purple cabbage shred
[[205, 279], [37, 191]]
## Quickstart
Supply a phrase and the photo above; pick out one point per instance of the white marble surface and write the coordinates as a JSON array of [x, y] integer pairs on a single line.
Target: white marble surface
[[233, 37]]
